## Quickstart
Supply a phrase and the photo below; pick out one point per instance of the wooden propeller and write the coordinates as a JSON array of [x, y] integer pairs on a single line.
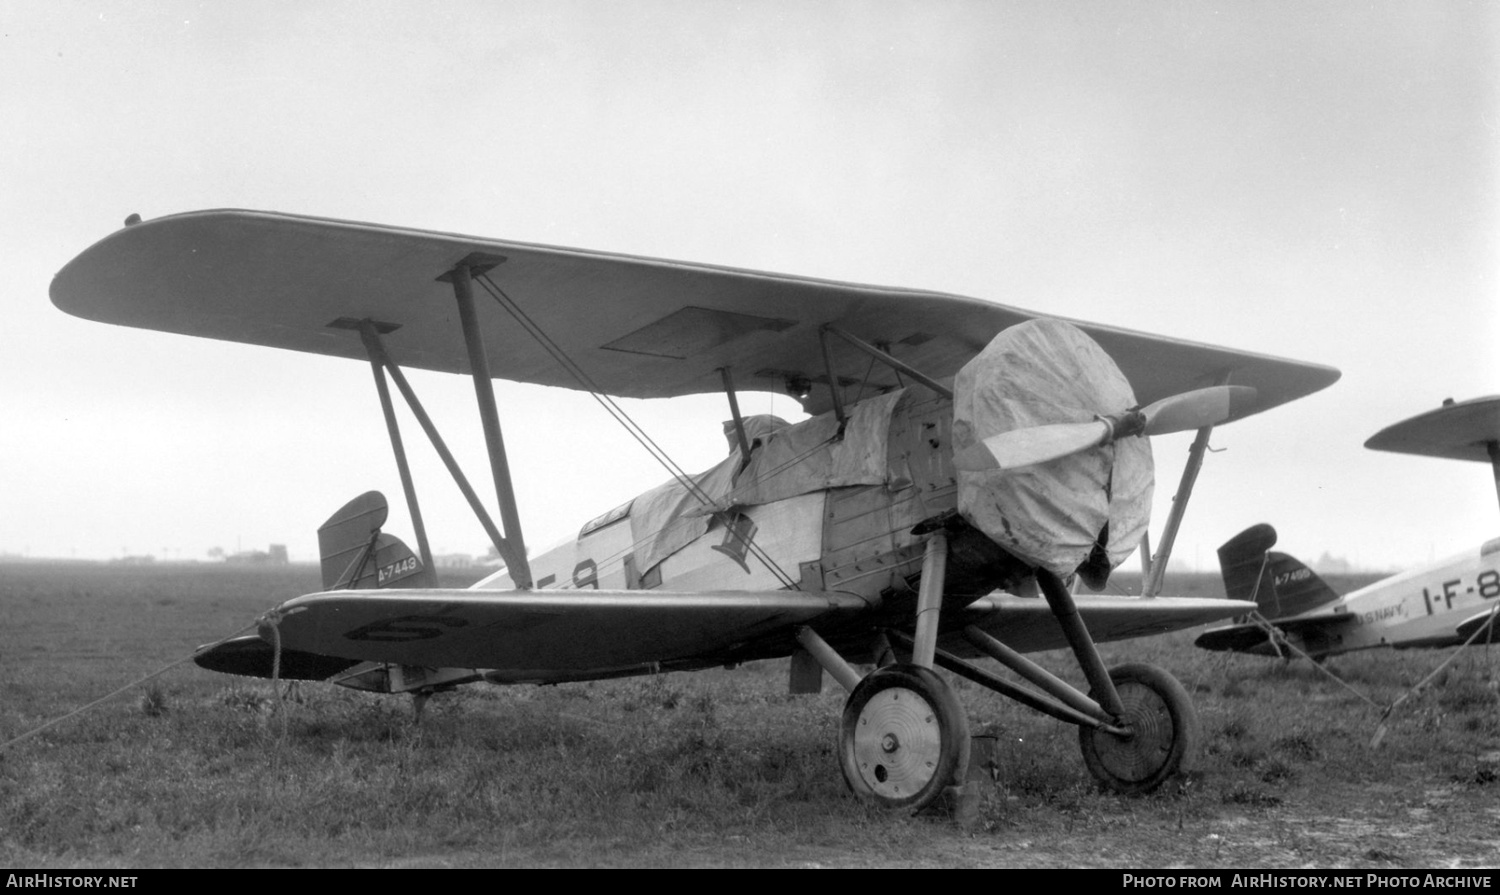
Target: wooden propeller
[[1038, 444]]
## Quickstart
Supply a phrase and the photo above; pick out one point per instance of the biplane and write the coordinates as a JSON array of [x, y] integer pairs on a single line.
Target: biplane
[[1446, 603], [965, 464]]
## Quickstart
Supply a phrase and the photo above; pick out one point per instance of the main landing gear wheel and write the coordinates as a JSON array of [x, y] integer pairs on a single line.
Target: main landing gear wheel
[[1164, 732], [904, 737]]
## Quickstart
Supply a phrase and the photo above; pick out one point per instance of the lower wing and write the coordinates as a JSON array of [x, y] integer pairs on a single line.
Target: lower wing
[[551, 636], [537, 636], [1027, 624]]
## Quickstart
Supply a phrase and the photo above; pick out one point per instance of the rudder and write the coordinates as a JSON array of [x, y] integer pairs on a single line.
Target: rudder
[[357, 555], [1279, 584]]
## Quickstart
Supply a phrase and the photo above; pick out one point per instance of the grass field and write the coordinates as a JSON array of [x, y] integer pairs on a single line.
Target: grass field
[[714, 769]]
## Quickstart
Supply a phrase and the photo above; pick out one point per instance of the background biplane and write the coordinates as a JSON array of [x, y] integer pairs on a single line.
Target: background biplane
[[965, 464], [1446, 603]]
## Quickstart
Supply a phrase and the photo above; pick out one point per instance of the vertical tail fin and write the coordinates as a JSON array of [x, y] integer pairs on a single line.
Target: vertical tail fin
[[356, 554], [1279, 584]]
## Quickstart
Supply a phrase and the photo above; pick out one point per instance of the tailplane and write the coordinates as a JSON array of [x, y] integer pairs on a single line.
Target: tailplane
[[1280, 585], [357, 555]]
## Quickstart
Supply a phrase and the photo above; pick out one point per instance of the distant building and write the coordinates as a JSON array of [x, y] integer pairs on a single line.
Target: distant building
[[1332, 565], [275, 556]]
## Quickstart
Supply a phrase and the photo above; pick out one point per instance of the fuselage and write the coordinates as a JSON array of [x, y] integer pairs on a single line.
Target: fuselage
[[1424, 607], [847, 528]]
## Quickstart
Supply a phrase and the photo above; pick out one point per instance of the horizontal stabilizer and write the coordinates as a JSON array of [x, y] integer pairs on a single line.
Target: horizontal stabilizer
[[250, 656], [1313, 634], [1235, 639], [392, 564]]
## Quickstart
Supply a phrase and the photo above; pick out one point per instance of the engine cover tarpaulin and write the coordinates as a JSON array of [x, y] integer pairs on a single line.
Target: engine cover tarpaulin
[[1039, 373]]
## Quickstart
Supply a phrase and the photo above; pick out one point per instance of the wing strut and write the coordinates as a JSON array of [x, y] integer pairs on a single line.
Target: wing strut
[[834, 386], [370, 331], [888, 360], [484, 391], [739, 421], [371, 338], [1158, 563], [1174, 516], [1492, 447]]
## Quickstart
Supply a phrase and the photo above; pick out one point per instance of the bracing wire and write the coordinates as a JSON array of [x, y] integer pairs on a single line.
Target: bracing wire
[[621, 416], [1487, 629], [617, 559], [1279, 641]]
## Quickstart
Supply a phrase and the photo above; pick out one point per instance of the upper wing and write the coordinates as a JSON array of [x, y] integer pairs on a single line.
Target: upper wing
[[544, 635], [640, 327], [1026, 624], [1458, 431]]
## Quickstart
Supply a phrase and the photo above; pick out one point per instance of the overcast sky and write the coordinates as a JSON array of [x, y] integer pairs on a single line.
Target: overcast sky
[[1315, 180]]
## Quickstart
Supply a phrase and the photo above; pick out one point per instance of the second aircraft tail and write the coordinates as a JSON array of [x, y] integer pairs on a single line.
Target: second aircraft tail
[[1280, 585]]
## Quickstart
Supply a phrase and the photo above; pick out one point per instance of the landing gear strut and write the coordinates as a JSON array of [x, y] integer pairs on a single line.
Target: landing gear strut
[[904, 735]]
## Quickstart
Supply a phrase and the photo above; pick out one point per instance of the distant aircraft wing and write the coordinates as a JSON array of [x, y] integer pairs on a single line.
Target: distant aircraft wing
[[536, 636], [1244, 638], [1461, 430], [639, 327], [1026, 624]]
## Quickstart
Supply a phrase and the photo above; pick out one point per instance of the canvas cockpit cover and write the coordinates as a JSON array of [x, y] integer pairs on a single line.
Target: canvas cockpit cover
[[785, 461], [1038, 373], [814, 456], [667, 518]]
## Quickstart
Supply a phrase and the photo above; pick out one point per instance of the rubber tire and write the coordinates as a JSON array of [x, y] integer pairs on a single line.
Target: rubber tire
[[1166, 736], [885, 698]]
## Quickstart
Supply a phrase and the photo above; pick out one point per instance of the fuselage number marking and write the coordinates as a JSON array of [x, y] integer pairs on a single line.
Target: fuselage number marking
[[400, 567], [1488, 583]]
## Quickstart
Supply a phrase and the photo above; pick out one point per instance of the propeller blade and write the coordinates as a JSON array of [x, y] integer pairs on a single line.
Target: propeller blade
[[1039, 444], [1027, 447], [1196, 409]]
